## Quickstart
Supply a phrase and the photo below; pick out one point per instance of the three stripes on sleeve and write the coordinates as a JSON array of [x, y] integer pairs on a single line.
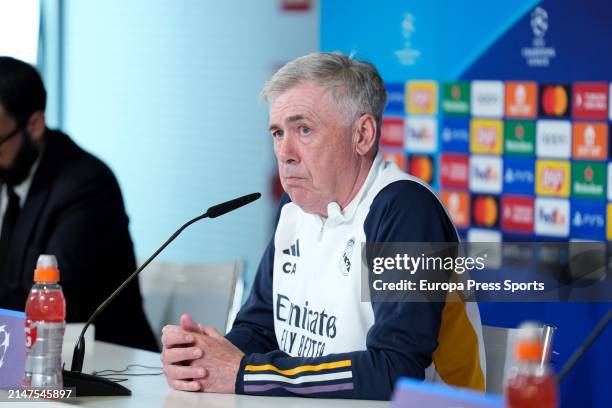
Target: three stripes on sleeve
[[304, 380]]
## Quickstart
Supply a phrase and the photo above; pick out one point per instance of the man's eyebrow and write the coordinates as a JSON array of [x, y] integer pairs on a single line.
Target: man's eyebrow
[[292, 118]]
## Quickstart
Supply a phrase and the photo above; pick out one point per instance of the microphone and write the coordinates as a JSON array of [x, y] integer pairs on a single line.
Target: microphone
[[585, 345], [91, 385]]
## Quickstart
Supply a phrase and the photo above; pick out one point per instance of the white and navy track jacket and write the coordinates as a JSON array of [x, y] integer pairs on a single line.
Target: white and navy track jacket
[[304, 329]]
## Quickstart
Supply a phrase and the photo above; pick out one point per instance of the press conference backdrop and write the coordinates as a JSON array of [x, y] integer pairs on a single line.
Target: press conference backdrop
[[505, 108], [167, 93]]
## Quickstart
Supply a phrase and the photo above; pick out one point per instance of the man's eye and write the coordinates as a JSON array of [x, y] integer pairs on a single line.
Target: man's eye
[[277, 133], [304, 130]]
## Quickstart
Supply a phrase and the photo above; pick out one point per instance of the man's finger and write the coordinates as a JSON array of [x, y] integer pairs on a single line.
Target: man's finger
[[210, 331], [177, 372], [173, 338], [182, 385], [178, 354], [187, 323]]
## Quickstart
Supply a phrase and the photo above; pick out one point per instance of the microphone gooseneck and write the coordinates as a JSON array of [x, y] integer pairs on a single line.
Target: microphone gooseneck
[[213, 212]]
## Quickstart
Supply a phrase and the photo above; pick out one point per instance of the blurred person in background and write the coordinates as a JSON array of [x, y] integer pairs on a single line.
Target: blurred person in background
[[55, 198]]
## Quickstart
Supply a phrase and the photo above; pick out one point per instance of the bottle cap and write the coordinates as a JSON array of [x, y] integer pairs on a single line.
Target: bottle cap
[[529, 346], [46, 269]]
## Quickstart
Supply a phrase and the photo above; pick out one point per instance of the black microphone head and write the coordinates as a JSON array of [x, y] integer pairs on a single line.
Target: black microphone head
[[231, 205]]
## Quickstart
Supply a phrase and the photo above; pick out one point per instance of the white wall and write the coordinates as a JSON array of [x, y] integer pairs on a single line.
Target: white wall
[[166, 93]]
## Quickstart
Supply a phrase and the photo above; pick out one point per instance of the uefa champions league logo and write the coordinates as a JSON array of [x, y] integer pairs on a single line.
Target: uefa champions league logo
[[539, 22], [5, 339]]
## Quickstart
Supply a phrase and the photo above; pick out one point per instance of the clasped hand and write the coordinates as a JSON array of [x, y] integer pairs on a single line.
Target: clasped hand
[[196, 357]]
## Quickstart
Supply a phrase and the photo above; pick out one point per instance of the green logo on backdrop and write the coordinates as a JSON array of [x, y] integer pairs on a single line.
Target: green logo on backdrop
[[588, 180], [519, 138], [456, 98]]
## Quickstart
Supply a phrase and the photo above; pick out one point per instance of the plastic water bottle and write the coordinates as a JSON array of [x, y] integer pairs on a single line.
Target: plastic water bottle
[[530, 383], [44, 326]]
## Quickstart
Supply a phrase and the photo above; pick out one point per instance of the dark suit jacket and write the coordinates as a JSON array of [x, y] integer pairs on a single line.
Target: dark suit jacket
[[74, 210]]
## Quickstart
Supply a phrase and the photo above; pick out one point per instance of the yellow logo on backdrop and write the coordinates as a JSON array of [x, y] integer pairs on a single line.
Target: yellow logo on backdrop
[[552, 178], [486, 136], [422, 97]]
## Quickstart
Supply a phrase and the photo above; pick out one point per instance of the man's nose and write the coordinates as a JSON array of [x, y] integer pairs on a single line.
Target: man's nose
[[286, 150]]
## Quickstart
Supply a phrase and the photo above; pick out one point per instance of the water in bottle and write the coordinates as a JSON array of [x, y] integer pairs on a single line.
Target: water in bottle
[[530, 382], [44, 327]]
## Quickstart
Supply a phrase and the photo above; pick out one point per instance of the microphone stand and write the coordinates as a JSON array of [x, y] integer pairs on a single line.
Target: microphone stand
[[91, 385]]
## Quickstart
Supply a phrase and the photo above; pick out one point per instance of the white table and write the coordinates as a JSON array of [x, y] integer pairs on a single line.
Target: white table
[[152, 391]]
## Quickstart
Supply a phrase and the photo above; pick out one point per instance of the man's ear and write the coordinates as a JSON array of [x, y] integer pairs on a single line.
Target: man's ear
[[365, 134], [36, 126]]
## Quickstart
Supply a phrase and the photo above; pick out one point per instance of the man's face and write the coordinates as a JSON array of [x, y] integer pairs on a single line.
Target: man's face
[[19, 151], [315, 151], [9, 149]]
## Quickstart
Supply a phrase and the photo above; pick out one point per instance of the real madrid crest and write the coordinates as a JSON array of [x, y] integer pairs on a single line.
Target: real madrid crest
[[345, 262]]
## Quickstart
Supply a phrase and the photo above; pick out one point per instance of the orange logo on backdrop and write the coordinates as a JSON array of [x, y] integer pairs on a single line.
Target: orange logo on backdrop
[[521, 99], [458, 206], [590, 141], [396, 157]]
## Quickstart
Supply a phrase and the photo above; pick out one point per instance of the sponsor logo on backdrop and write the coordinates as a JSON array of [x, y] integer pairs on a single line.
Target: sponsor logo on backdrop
[[554, 100], [588, 219], [552, 178], [487, 99], [458, 205], [610, 103], [517, 214], [456, 98], [521, 99], [484, 235], [519, 138], [395, 98], [519, 175], [538, 54], [486, 136], [589, 180], [485, 174], [421, 135], [454, 170], [485, 211], [455, 134], [407, 55], [553, 138], [552, 217], [590, 100], [421, 167], [422, 97], [609, 181], [609, 222], [590, 141], [395, 157], [392, 132]]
